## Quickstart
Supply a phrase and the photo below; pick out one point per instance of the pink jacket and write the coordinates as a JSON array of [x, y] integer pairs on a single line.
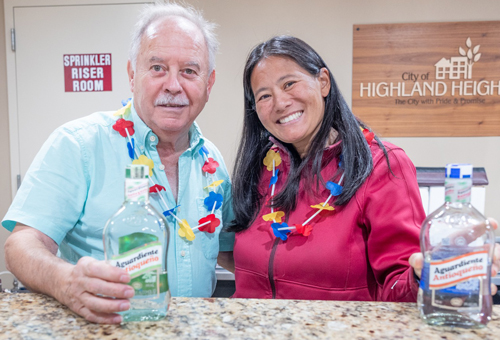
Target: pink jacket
[[359, 251]]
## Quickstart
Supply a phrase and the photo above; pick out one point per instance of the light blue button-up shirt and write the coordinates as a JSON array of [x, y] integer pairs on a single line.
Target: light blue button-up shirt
[[76, 183]]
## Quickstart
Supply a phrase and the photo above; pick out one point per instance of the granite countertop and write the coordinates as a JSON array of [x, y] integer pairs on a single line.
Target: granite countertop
[[34, 316]]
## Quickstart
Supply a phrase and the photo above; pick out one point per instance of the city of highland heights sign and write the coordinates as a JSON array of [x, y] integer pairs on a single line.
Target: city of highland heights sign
[[424, 80]]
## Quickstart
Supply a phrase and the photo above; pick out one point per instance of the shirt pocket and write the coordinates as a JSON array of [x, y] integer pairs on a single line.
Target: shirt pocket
[[209, 241]]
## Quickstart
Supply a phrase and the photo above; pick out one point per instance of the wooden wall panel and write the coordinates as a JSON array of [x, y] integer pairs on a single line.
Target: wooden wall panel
[[424, 103]]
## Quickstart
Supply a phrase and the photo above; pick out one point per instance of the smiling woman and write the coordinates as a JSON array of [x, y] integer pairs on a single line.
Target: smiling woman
[[313, 221]]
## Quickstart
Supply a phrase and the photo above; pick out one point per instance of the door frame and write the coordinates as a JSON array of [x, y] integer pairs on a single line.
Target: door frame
[[9, 6]]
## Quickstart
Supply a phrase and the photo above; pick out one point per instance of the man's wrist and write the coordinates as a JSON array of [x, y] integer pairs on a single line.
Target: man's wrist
[[61, 275]]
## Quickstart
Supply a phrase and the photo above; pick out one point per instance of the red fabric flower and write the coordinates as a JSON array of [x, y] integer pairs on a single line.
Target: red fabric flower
[[304, 229], [122, 124], [368, 135], [209, 227], [156, 188], [210, 166]]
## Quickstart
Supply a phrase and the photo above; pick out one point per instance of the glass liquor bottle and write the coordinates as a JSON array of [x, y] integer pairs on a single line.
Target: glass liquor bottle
[[136, 239], [457, 243]]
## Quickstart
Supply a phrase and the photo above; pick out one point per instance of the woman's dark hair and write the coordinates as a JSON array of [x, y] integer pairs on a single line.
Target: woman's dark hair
[[254, 144]]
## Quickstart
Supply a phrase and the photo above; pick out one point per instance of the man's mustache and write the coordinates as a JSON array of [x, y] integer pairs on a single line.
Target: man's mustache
[[169, 99]]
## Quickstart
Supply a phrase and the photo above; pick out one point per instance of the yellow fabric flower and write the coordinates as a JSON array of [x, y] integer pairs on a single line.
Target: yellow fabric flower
[[186, 231], [326, 207], [214, 184], [123, 110], [145, 161], [274, 216], [268, 160]]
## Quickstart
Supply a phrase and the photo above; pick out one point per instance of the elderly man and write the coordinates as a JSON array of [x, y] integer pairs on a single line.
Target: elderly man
[[76, 181]]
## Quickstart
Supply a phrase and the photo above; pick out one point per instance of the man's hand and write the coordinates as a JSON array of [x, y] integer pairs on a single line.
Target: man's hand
[[416, 260], [91, 288], [96, 291]]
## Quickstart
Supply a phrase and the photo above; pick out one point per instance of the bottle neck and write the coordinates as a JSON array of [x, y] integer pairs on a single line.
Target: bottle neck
[[136, 190], [458, 190]]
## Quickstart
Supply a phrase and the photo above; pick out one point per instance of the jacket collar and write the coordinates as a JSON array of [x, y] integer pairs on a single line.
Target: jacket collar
[[278, 145]]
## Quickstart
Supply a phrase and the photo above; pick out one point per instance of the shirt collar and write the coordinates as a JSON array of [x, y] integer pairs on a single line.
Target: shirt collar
[[143, 134]]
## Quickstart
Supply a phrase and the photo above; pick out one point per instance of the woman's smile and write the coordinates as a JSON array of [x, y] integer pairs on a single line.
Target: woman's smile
[[291, 118]]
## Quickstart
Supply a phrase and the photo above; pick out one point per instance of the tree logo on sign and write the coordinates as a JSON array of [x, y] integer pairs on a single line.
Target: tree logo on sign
[[458, 67]]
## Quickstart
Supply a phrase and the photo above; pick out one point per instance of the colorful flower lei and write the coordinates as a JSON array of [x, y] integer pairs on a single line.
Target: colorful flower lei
[[282, 229], [214, 200]]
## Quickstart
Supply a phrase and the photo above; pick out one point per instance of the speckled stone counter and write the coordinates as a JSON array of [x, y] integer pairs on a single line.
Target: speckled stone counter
[[33, 316]]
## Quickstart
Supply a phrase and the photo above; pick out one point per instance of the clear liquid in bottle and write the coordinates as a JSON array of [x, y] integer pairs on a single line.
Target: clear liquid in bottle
[[136, 239]]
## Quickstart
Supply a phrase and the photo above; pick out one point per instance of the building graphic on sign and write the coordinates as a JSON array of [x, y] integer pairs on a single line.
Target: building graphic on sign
[[458, 67], [455, 68]]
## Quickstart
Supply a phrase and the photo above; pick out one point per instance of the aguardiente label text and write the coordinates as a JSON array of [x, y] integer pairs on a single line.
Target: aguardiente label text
[[449, 272], [140, 260]]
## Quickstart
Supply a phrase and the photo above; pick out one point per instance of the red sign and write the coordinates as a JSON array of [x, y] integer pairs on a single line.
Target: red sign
[[87, 72]]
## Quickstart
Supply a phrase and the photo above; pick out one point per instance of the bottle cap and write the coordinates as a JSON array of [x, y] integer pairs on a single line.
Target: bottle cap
[[136, 171], [459, 170]]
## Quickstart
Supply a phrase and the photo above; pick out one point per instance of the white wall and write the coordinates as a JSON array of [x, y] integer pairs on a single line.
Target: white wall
[[327, 26]]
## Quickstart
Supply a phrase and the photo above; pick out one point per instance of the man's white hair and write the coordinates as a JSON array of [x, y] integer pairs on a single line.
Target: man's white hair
[[152, 13]]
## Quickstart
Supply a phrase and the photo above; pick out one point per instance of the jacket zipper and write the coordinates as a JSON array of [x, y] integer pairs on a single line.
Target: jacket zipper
[[270, 270], [271, 267]]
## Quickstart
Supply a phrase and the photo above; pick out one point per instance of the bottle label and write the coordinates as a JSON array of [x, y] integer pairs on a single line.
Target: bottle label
[[462, 296], [446, 273], [456, 282], [136, 189], [144, 265]]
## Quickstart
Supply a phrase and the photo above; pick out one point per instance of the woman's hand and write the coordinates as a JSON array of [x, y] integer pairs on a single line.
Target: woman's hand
[[416, 260]]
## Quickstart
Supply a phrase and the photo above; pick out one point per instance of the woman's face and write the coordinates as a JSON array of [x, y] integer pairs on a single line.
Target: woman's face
[[289, 101]]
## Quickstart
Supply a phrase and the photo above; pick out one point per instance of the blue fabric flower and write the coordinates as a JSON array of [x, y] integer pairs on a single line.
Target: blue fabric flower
[[166, 213], [125, 101], [203, 150], [213, 198], [274, 179], [334, 188], [130, 148], [282, 234]]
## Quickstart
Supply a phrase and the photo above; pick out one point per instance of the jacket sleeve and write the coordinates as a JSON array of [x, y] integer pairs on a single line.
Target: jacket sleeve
[[392, 213]]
